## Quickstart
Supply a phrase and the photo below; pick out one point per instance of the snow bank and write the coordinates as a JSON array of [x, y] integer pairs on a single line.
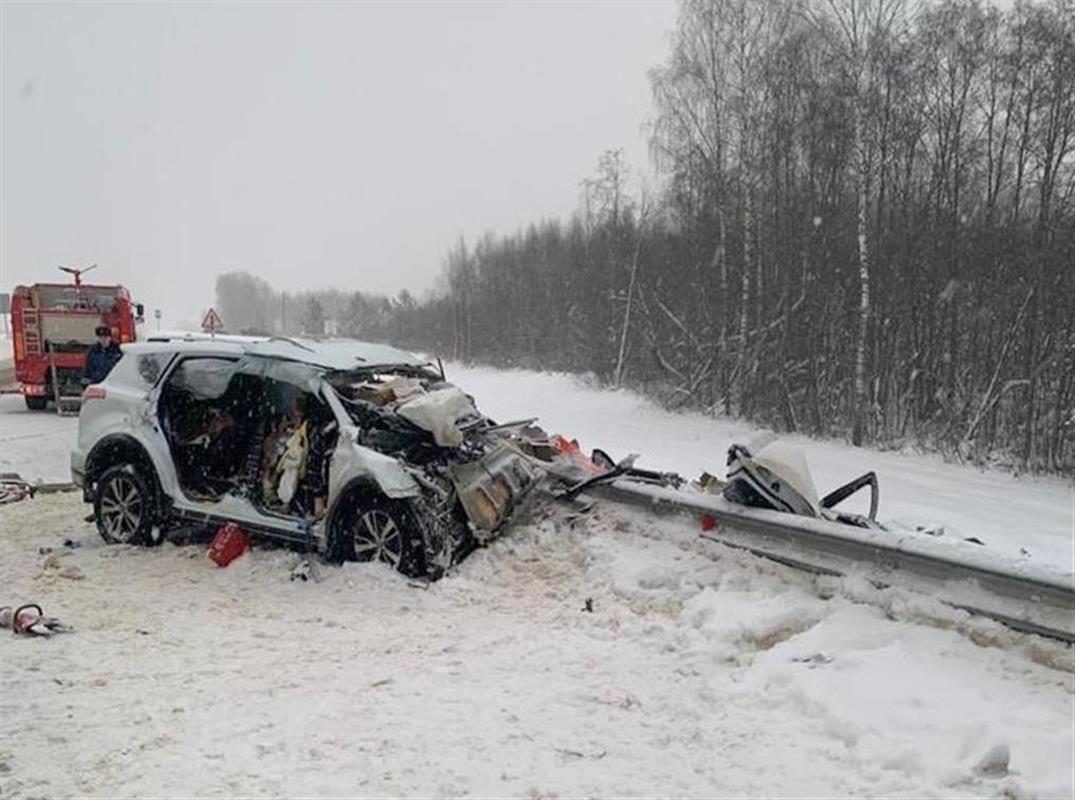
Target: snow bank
[[699, 672]]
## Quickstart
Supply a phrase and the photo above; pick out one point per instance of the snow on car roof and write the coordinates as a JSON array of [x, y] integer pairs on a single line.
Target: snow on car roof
[[164, 345], [333, 354], [200, 336]]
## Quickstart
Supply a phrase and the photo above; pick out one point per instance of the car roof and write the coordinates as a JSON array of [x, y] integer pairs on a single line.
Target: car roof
[[182, 346], [335, 354], [198, 336], [331, 354]]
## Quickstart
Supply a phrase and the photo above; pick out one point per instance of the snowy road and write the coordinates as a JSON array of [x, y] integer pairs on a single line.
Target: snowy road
[[700, 672], [36, 444]]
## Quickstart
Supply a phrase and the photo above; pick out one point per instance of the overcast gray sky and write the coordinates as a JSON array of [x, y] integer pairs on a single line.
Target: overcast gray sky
[[342, 144]]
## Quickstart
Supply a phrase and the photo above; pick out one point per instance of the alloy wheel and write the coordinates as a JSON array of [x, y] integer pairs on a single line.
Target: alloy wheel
[[378, 538], [121, 508]]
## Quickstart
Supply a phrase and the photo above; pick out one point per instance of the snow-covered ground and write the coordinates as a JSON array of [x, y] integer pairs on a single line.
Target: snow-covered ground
[[700, 671], [35, 444]]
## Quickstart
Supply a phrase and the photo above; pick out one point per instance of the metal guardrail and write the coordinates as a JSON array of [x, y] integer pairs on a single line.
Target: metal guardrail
[[1041, 604]]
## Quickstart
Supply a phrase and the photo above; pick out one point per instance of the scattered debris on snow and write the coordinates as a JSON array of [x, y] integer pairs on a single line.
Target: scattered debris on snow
[[13, 488]]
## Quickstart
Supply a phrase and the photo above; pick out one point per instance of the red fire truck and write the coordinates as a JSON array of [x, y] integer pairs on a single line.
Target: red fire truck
[[53, 325]]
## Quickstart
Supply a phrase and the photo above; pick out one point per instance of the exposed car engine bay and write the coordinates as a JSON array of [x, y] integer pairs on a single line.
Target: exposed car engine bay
[[471, 479]]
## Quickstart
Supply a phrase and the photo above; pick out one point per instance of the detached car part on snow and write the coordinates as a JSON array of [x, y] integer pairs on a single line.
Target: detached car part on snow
[[769, 507], [354, 450], [777, 477]]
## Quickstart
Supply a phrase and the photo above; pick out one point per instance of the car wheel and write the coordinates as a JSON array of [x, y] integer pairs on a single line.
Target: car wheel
[[378, 529], [125, 506], [36, 403]]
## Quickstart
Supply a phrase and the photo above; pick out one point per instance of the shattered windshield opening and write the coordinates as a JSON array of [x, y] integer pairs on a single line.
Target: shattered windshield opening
[[401, 408]]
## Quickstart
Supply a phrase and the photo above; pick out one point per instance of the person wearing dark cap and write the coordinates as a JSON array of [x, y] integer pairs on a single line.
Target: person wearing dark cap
[[102, 356]]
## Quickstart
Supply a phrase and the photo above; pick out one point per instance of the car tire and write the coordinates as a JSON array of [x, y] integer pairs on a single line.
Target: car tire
[[36, 402], [376, 528], [125, 506]]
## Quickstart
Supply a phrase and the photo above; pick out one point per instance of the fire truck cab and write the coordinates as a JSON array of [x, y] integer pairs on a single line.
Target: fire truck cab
[[53, 326]]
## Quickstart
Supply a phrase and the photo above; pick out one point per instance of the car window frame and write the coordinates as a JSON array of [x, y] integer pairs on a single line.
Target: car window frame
[[169, 361], [180, 358]]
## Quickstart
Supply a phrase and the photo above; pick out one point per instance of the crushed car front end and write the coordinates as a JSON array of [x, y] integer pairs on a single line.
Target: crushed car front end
[[420, 439]]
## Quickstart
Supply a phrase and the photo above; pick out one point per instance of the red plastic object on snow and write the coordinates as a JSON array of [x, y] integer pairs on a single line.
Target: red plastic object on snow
[[709, 522], [229, 542], [570, 448]]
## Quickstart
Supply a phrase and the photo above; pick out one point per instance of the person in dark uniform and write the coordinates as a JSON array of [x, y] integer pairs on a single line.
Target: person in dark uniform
[[101, 357]]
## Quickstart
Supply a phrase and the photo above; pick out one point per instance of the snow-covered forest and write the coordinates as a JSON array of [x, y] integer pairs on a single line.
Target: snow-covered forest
[[864, 227]]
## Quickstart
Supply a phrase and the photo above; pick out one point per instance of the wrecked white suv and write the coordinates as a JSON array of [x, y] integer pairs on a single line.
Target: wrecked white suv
[[352, 450]]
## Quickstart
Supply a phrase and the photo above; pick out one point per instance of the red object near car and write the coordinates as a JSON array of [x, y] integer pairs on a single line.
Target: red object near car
[[229, 542], [570, 448]]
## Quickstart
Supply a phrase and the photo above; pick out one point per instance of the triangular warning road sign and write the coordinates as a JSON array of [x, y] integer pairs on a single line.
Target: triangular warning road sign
[[211, 322]]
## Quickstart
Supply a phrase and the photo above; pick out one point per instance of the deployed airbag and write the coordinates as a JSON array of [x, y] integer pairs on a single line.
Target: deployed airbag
[[438, 412]]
